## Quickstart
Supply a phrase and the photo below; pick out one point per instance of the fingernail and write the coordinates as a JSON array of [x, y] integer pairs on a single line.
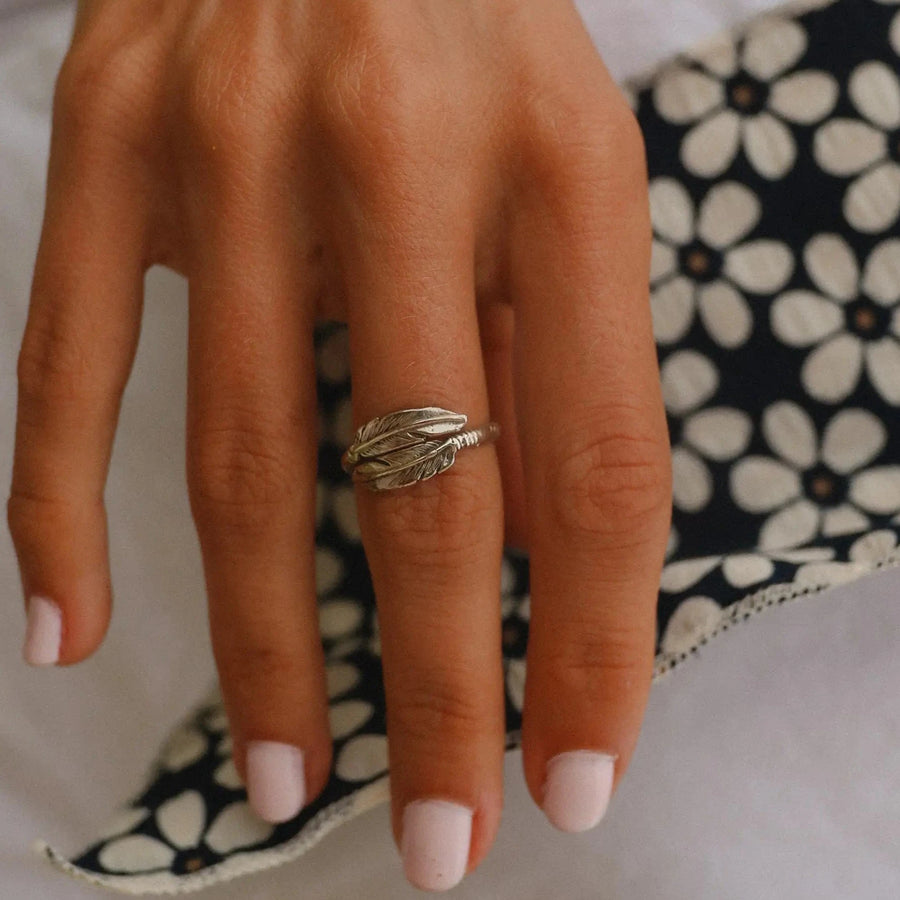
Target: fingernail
[[435, 843], [43, 633], [276, 784], [577, 789]]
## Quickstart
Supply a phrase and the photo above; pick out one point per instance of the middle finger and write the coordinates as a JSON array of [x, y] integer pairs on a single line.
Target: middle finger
[[434, 547]]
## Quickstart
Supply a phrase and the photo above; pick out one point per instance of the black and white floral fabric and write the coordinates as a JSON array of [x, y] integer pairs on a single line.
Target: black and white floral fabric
[[774, 161]]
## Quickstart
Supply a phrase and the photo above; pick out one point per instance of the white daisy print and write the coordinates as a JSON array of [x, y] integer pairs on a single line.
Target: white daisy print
[[184, 846], [183, 747], [694, 618], [689, 379], [673, 543], [812, 487], [702, 264], [866, 553], [515, 682], [867, 149], [745, 95], [740, 570], [516, 607], [894, 34], [853, 322]]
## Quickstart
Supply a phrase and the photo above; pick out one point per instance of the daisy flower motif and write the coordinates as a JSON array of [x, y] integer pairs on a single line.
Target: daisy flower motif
[[812, 487], [894, 34], [740, 570], [701, 262], [867, 149], [866, 553], [744, 95], [719, 433], [694, 619], [853, 322], [673, 543], [182, 845], [516, 670]]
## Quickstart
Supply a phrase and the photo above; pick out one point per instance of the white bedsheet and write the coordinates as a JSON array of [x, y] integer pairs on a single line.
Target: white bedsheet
[[767, 767]]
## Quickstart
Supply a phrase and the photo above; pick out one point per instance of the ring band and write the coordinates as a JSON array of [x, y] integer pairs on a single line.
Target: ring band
[[410, 445]]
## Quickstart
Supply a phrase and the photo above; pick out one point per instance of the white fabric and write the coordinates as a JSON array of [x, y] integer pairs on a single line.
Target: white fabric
[[633, 35], [630, 34], [766, 768]]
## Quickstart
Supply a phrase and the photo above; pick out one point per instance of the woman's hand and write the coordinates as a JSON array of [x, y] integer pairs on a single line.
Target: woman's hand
[[432, 174]]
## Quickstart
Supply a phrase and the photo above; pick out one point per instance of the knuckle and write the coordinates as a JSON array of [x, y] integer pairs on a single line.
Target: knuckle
[[238, 472], [377, 102], [438, 523], [582, 144], [624, 135], [102, 90], [602, 659], [556, 125], [31, 515], [613, 483], [432, 707], [237, 99], [52, 368], [251, 663]]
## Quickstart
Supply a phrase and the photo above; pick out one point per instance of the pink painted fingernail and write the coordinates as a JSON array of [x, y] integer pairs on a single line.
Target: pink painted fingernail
[[578, 788], [276, 784], [43, 633], [435, 842]]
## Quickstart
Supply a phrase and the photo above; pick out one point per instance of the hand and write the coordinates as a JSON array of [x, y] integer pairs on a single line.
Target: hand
[[431, 174]]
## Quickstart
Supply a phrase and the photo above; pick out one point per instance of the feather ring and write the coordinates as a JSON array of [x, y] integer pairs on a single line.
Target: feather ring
[[407, 465], [385, 436]]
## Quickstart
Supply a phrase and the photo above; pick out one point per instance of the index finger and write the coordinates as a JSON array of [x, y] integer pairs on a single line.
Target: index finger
[[595, 453]]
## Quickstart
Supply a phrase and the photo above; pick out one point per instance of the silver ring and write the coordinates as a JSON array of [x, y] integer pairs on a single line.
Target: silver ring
[[410, 445]]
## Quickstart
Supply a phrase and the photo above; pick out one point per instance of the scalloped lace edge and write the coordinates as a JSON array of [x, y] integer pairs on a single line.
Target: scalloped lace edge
[[371, 795]]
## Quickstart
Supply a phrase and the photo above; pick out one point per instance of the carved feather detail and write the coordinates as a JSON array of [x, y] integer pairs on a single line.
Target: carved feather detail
[[405, 466], [404, 428]]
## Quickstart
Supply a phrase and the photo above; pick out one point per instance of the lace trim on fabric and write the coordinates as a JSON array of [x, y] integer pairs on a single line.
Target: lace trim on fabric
[[372, 795]]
